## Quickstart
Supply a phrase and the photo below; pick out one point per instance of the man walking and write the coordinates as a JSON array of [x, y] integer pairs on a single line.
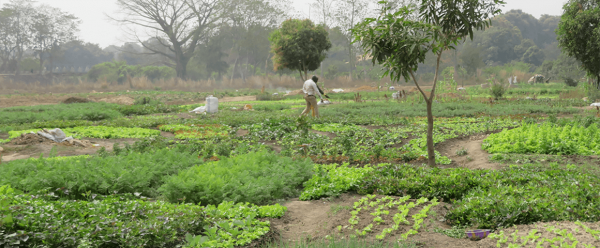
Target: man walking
[[310, 91]]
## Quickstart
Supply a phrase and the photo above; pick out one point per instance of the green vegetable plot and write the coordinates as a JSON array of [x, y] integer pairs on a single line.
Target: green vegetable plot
[[546, 138], [100, 132], [192, 131], [127, 221], [256, 177]]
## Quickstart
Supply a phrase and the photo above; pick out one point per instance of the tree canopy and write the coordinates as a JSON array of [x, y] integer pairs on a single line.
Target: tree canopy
[[579, 34], [299, 45]]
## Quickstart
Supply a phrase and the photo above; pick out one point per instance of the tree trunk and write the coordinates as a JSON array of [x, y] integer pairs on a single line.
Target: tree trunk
[[430, 144], [233, 71], [301, 77]]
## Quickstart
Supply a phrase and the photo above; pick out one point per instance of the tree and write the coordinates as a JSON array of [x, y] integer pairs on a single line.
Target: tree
[[534, 55], [50, 28], [181, 24], [578, 34], [324, 10], [471, 58], [348, 13], [299, 45], [19, 18], [400, 43]]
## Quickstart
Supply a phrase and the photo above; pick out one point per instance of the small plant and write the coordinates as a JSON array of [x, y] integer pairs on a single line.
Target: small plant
[[461, 152], [497, 90], [469, 158]]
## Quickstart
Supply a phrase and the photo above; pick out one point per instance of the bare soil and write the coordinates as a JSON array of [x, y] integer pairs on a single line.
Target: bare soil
[[315, 220], [13, 151], [476, 157]]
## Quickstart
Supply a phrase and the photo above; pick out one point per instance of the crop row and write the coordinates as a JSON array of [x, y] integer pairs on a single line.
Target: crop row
[[126, 221], [486, 198]]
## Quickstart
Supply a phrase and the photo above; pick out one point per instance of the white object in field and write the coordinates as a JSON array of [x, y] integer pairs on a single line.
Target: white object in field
[[396, 95], [324, 102], [596, 104], [212, 104], [275, 93], [337, 90], [392, 88], [199, 110], [460, 88], [55, 135]]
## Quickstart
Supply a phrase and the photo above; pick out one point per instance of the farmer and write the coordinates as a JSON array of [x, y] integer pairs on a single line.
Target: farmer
[[310, 90]]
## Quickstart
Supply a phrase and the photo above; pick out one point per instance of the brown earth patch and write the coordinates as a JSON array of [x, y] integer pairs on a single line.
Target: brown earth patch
[[167, 134], [476, 157], [273, 144], [317, 219], [330, 135], [123, 100], [241, 132], [35, 150]]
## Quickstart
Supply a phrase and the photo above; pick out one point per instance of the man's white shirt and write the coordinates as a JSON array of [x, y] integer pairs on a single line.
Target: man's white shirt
[[310, 88]]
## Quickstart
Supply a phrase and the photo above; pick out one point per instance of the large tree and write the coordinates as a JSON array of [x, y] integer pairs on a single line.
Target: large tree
[[51, 28], [299, 45], [579, 34], [400, 43], [350, 12], [179, 25]]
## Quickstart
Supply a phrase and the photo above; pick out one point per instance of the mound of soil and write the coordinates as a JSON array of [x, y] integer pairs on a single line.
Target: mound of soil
[[75, 99], [123, 100], [29, 139]]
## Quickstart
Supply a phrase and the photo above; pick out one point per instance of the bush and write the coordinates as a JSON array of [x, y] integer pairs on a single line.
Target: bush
[[571, 82], [497, 91], [256, 177], [130, 173]]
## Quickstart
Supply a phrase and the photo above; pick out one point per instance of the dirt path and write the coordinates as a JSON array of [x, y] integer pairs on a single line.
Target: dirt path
[[14, 152], [476, 157]]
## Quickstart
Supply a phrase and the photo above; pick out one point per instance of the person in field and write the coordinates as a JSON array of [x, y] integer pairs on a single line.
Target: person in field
[[311, 91]]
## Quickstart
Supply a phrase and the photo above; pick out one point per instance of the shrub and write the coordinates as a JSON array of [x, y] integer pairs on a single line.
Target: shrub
[[571, 82], [497, 91], [256, 177]]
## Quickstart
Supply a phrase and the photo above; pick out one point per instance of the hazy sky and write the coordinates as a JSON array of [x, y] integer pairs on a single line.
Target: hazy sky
[[97, 28]]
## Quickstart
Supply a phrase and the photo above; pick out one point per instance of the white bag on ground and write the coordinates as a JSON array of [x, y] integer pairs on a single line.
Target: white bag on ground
[[55, 135], [199, 110], [324, 102], [337, 90], [596, 104]]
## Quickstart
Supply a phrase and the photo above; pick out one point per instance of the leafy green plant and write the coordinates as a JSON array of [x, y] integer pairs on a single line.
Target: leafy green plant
[[497, 90], [462, 152], [256, 177], [546, 139], [131, 172]]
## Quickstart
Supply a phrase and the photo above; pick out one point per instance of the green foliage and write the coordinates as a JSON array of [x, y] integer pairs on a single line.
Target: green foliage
[[127, 221], [129, 173], [546, 139], [299, 45], [100, 132], [485, 198], [578, 34], [70, 112], [332, 180], [497, 90], [256, 177], [571, 82]]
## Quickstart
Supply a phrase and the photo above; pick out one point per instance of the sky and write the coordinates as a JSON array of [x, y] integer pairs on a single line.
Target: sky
[[97, 28]]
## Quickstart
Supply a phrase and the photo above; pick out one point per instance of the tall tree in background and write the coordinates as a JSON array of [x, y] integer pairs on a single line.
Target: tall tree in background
[[348, 13], [324, 9], [50, 28], [299, 45], [400, 44], [181, 23], [19, 14], [579, 34]]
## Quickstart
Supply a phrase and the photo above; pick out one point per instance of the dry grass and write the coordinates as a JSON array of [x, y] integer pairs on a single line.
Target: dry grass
[[81, 85]]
